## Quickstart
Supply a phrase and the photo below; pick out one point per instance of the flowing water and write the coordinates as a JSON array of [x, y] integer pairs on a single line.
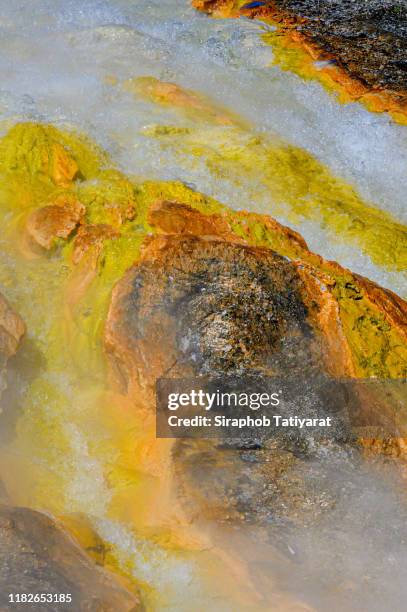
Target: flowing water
[[256, 138], [58, 63]]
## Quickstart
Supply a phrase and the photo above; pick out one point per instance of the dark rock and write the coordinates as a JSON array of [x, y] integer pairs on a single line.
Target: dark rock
[[209, 307], [37, 556], [369, 38]]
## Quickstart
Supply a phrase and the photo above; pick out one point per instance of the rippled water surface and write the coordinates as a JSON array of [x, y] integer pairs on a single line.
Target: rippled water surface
[[58, 62]]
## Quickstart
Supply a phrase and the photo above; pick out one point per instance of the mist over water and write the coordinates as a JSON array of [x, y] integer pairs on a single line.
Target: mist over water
[[355, 558]]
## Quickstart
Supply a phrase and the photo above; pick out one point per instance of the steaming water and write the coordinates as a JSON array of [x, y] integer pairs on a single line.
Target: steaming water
[[56, 58]]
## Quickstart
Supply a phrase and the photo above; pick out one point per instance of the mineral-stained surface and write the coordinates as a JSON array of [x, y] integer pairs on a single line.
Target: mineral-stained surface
[[368, 38], [12, 329], [180, 285], [38, 557], [202, 305], [224, 307], [55, 220], [91, 237]]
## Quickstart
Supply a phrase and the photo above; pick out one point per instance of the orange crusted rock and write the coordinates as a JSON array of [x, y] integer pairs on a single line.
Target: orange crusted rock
[[198, 304], [12, 329], [342, 308], [91, 236], [176, 218], [56, 220]]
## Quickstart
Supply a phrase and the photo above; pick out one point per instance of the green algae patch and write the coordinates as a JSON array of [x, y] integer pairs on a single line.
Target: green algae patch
[[40, 163], [64, 322], [89, 311], [290, 58]]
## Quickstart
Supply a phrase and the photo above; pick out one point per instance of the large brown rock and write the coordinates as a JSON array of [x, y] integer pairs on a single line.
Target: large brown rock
[[201, 301], [37, 556], [205, 306], [209, 304]]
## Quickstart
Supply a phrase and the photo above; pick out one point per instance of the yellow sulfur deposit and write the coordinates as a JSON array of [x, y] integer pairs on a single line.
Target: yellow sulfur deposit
[[299, 187], [93, 453]]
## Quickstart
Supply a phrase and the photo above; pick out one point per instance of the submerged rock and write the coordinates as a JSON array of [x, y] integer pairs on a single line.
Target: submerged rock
[[38, 557], [12, 330], [195, 105]]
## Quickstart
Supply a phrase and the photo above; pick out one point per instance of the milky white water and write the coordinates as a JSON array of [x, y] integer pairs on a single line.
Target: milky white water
[[56, 60]]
